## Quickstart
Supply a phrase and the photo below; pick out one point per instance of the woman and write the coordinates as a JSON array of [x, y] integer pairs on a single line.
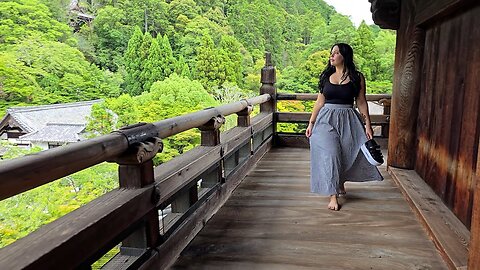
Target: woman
[[336, 131]]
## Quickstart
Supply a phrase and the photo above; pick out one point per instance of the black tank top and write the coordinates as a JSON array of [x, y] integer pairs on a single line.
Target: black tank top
[[339, 93]]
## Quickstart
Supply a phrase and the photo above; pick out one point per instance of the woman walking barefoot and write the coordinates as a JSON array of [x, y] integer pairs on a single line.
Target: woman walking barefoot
[[336, 131]]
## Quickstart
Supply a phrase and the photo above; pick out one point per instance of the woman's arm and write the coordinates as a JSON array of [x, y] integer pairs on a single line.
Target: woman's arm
[[363, 107], [316, 108]]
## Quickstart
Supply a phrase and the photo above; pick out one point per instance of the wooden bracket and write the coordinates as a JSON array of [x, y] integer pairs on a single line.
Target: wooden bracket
[[210, 132], [140, 152], [243, 119]]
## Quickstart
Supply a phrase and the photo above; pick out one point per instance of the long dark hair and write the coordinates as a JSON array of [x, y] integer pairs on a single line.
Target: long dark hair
[[347, 52]]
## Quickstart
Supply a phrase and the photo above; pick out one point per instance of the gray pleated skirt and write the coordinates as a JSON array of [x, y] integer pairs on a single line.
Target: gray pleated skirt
[[335, 154]]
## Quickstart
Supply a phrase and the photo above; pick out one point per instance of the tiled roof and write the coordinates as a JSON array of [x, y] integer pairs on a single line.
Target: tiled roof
[[35, 118], [56, 133]]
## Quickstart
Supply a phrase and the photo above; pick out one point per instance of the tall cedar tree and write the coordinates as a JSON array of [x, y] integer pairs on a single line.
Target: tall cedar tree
[[133, 63]]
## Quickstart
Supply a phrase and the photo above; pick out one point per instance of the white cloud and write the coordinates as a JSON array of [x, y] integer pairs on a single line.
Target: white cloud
[[358, 10]]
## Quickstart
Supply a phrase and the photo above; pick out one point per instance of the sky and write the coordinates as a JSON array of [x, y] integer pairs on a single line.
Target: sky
[[358, 10]]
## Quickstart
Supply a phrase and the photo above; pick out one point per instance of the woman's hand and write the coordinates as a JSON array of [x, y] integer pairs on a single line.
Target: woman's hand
[[369, 132], [308, 132]]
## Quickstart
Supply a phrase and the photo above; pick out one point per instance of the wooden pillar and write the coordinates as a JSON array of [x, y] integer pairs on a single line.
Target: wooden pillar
[[136, 171], [474, 248], [268, 79], [406, 90]]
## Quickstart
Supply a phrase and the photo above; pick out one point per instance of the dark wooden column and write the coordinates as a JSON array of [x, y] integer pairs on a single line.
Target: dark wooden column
[[268, 79], [474, 248], [406, 89]]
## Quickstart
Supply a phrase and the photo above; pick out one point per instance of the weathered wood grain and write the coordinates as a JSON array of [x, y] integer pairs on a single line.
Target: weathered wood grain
[[272, 221], [447, 231], [449, 120], [406, 89], [474, 255]]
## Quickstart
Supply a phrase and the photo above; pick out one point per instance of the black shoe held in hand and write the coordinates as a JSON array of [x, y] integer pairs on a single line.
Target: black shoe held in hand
[[372, 152]]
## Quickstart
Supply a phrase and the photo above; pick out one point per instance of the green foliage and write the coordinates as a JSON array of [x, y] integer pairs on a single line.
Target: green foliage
[[290, 106], [209, 64], [22, 19], [153, 67], [133, 63], [111, 36], [305, 78], [46, 72], [379, 87], [26, 212]]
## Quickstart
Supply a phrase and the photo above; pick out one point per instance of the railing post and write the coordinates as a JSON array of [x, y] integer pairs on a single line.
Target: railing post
[[268, 79], [243, 119], [210, 133], [210, 136], [386, 111], [136, 171]]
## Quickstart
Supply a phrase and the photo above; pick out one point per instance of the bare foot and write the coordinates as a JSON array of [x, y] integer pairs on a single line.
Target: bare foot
[[333, 205]]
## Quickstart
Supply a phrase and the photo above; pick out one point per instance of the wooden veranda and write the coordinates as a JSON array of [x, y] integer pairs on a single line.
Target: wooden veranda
[[272, 221], [241, 199]]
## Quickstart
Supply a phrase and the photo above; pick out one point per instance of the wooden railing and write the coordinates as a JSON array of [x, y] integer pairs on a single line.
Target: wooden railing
[[299, 139], [156, 211], [130, 213], [186, 191]]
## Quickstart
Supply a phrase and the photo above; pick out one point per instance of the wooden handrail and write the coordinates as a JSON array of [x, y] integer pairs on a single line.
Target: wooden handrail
[[80, 233], [299, 96], [16, 178]]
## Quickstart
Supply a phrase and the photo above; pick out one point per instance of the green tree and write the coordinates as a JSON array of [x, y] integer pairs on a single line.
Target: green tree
[[111, 37], [21, 19], [364, 47], [153, 69], [339, 29], [133, 63], [166, 55], [181, 68], [208, 67], [231, 59]]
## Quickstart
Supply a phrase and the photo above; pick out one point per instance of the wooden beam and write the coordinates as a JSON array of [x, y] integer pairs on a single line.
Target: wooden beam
[[28, 172], [386, 13], [449, 234], [434, 10], [295, 117], [296, 96], [172, 176], [292, 117]]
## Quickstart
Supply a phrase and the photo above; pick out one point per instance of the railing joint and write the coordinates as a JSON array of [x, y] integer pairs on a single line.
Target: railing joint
[[138, 132]]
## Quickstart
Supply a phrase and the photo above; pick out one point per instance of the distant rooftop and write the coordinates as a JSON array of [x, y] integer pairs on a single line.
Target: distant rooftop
[[61, 133], [35, 118]]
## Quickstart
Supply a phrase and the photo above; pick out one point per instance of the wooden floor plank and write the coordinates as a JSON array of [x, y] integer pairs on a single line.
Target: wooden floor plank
[[272, 221]]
